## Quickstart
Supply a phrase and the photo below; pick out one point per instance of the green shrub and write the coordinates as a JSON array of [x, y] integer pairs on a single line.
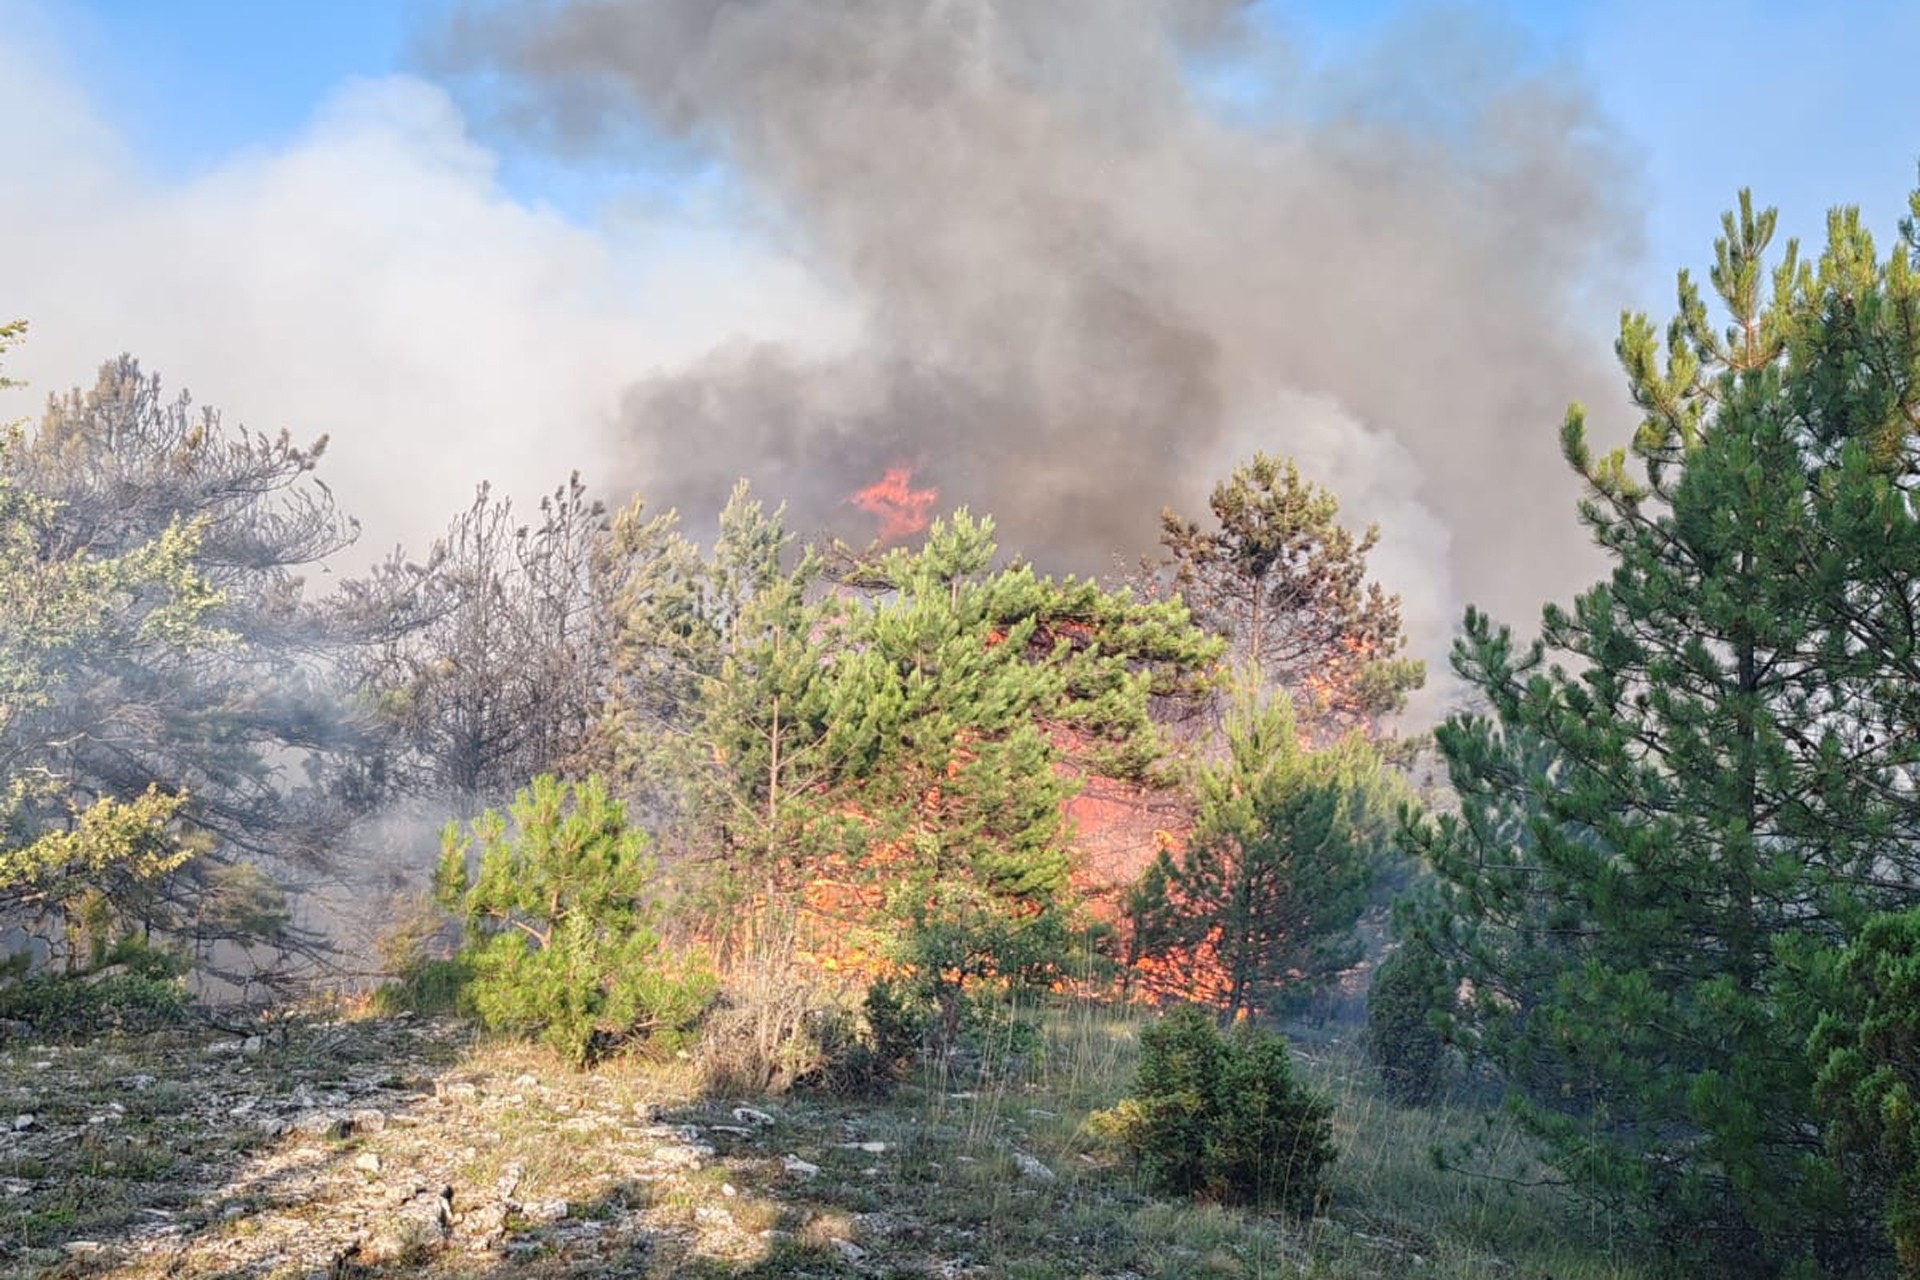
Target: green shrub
[[977, 1033], [1409, 987], [425, 986], [558, 922], [898, 1023], [135, 987], [1222, 1118], [425, 977], [1866, 1053]]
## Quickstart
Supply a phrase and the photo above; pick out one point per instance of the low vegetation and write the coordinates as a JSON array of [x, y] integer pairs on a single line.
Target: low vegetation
[[326, 1143], [1222, 1118]]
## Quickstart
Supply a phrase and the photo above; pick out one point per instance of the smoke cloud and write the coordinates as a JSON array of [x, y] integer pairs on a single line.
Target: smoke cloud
[[370, 279], [1093, 277]]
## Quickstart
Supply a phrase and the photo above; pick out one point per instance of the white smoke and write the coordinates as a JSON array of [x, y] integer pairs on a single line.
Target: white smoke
[[372, 282]]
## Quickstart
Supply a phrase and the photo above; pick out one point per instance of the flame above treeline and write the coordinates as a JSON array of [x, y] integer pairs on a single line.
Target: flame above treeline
[[902, 510]]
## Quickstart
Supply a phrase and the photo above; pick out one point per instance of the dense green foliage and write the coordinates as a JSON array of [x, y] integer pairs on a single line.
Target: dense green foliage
[[559, 936], [1223, 1117], [1866, 1050], [1697, 779], [1288, 843], [903, 735], [127, 987], [1409, 989]]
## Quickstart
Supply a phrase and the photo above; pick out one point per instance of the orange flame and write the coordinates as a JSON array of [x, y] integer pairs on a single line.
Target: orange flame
[[902, 509]]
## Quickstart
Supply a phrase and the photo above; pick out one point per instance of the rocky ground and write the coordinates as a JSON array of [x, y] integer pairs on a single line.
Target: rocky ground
[[372, 1147], [367, 1146]]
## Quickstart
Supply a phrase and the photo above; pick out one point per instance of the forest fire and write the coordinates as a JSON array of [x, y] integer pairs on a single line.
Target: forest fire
[[902, 509]]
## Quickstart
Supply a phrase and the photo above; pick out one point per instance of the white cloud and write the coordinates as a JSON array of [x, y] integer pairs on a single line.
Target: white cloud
[[371, 281]]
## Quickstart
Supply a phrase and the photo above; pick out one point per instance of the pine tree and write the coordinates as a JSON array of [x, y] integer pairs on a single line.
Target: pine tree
[[954, 764], [1288, 843], [245, 728], [765, 753], [662, 647], [72, 852], [1866, 1050], [904, 736], [1698, 776], [1286, 583], [559, 922]]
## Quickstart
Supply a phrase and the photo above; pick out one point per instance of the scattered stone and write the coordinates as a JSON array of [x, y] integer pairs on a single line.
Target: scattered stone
[[871, 1148], [252, 1045], [343, 1261], [754, 1116], [713, 1215], [367, 1162], [799, 1168], [323, 1124], [368, 1119], [433, 1210], [1032, 1169], [731, 1130], [686, 1155], [850, 1251], [456, 1090], [484, 1227], [547, 1212], [509, 1180], [24, 1122]]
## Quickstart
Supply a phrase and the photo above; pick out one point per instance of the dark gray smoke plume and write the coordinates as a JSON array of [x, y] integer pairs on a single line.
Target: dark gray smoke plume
[[1090, 289]]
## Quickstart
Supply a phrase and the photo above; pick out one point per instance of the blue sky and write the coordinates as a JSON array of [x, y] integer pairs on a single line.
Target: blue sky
[[193, 80]]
